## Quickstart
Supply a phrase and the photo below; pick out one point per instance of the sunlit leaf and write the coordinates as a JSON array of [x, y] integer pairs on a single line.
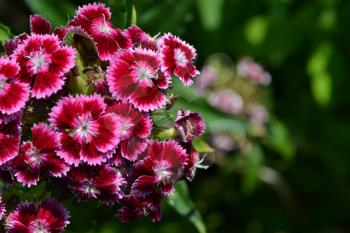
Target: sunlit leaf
[[255, 30], [321, 79], [201, 146], [279, 140], [182, 203], [210, 13], [5, 33]]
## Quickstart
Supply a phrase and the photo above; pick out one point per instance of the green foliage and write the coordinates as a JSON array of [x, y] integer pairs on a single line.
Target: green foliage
[[5, 33], [182, 203]]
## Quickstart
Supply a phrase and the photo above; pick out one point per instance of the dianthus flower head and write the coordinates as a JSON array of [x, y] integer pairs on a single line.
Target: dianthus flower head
[[44, 63], [48, 217], [88, 133], [13, 93], [9, 140], [134, 76], [177, 58], [101, 182], [134, 206], [39, 25], [162, 166], [38, 157], [189, 125], [95, 20], [139, 38], [135, 127]]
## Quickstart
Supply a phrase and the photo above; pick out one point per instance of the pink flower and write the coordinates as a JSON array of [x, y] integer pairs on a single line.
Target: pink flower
[[227, 100], [133, 206], [44, 62], [38, 157], [162, 166], [135, 76], [248, 68], [9, 140], [257, 114], [48, 216], [135, 129], [208, 76], [95, 20], [13, 94], [177, 57], [139, 38], [89, 134], [189, 124], [39, 25], [101, 182]]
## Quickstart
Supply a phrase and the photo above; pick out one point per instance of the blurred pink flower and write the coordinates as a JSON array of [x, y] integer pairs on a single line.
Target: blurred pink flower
[[226, 100], [257, 114], [248, 68]]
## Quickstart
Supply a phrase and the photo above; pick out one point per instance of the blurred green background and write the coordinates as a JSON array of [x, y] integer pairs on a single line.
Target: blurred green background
[[305, 46]]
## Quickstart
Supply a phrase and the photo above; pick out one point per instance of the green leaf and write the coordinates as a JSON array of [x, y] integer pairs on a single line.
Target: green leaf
[[256, 29], [201, 146], [321, 79], [5, 33], [210, 13], [133, 15], [52, 10], [166, 134], [122, 12], [253, 161], [278, 139], [183, 204]]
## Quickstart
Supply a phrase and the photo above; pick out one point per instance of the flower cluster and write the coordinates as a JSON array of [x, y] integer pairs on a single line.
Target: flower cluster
[[239, 92], [77, 105]]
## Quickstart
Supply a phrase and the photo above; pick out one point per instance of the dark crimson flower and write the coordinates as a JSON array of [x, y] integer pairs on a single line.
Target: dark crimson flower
[[38, 157], [135, 76], [44, 62], [89, 134], [49, 217], [9, 140], [101, 182], [162, 166], [11, 45], [177, 57], [2, 208], [135, 128], [60, 32], [39, 25], [94, 19], [139, 38], [134, 206], [13, 94], [189, 124]]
